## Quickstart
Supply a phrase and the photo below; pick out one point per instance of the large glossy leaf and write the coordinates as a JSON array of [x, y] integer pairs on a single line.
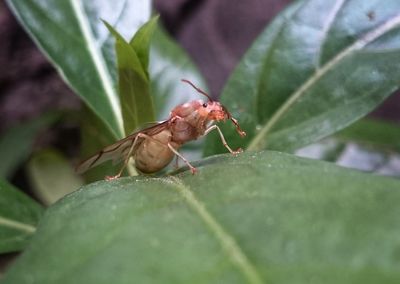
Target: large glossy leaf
[[71, 34], [330, 63], [19, 216], [241, 90], [283, 219]]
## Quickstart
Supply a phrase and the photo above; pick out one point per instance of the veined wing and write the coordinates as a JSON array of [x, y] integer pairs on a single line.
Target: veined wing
[[120, 149]]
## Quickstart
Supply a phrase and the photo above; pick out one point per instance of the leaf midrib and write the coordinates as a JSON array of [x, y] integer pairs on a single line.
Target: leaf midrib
[[228, 243], [98, 61], [16, 225], [256, 142]]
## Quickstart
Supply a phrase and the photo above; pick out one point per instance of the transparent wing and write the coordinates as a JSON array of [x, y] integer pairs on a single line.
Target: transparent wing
[[120, 149]]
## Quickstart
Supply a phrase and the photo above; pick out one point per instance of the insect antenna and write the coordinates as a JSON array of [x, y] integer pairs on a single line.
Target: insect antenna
[[235, 122], [238, 129], [197, 89]]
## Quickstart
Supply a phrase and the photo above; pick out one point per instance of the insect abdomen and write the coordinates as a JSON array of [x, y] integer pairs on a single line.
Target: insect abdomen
[[153, 154]]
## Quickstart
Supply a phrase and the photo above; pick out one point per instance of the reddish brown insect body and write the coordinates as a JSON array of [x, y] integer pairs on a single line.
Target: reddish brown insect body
[[154, 147]]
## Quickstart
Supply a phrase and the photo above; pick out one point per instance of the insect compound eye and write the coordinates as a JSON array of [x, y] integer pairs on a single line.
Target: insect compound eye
[[204, 105]]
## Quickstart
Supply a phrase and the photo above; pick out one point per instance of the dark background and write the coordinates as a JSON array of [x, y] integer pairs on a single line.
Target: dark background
[[215, 33]]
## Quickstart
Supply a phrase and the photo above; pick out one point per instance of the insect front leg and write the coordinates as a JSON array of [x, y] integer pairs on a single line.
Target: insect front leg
[[192, 169], [211, 128]]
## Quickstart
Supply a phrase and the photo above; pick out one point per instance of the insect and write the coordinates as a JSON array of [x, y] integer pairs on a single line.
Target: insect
[[154, 147]]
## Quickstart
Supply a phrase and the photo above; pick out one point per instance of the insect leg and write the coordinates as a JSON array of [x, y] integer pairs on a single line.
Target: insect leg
[[126, 159], [211, 128], [192, 169], [176, 166], [142, 136]]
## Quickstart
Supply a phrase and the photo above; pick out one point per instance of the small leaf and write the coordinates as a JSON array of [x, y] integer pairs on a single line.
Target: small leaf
[[134, 86], [282, 219], [71, 34], [141, 41], [19, 216], [365, 157], [377, 133], [16, 144], [51, 175]]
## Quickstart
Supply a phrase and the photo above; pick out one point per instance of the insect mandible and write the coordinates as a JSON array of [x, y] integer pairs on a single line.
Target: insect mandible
[[154, 147]]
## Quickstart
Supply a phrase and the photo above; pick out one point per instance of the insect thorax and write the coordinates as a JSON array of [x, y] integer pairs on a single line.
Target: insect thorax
[[187, 129]]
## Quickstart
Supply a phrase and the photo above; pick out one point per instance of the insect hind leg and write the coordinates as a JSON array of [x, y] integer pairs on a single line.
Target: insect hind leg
[[192, 169], [131, 148]]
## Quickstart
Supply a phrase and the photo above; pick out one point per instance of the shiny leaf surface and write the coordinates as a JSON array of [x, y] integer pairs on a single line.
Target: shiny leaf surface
[[328, 64], [242, 88], [282, 219]]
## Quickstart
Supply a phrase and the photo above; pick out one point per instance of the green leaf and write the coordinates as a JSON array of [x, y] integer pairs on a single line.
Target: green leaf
[[377, 133], [51, 175], [94, 138], [71, 34], [329, 65], [241, 90], [365, 157], [19, 216], [134, 86], [141, 41], [16, 144], [282, 219], [368, 145]]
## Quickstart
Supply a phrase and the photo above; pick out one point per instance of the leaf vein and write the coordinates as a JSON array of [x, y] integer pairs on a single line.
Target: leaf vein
[[369, 37], [227, 241], [5, 222], [98, 60]]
